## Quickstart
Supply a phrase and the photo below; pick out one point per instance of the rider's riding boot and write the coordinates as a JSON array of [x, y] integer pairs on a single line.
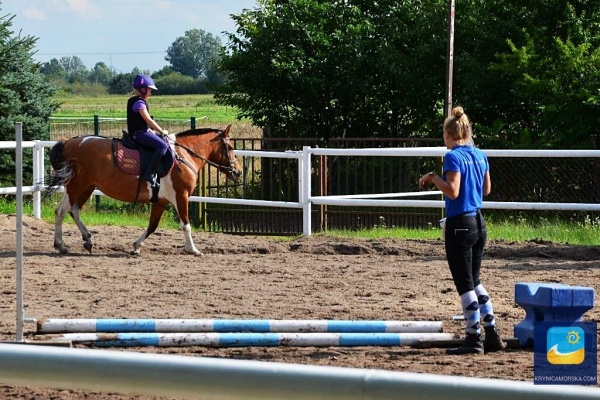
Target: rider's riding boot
[[471, 345], [149, 174], [492, 341]]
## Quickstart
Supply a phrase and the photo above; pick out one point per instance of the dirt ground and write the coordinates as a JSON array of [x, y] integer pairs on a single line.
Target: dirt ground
[[315, 277]]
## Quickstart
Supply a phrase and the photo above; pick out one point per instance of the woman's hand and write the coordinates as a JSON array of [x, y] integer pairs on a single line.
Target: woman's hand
[[427, 178]]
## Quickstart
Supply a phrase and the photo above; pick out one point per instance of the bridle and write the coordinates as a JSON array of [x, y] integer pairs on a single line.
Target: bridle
[[229, 169]]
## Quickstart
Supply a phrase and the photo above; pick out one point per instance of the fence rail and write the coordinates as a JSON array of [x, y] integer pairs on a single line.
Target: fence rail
[[304, 197], [220, 379], [547, 177]]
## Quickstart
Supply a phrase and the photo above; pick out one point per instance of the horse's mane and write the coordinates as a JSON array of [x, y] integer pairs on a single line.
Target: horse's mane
[[199, 131]]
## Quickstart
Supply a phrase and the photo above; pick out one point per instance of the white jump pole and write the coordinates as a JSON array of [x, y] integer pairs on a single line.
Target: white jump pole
[[108, 325], [237, 339]]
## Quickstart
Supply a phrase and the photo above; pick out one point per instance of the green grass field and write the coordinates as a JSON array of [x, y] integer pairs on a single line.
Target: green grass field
[[113, 106], [163, 108]]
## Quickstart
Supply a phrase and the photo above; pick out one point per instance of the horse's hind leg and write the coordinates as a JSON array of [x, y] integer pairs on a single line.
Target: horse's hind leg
[[76, 214], [155, 215], [59, 217]]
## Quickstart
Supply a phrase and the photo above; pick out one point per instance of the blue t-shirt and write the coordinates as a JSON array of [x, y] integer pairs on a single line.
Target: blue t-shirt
[[472, 164]]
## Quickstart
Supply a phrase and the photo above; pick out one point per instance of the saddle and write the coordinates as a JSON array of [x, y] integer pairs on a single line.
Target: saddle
[[132, 157]]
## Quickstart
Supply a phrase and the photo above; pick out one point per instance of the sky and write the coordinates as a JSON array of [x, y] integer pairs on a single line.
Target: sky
[[123, 34]]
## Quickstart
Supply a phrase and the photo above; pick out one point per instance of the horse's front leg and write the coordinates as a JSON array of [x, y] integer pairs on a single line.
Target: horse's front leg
[[155, 215], [59, 217], [184, 223]]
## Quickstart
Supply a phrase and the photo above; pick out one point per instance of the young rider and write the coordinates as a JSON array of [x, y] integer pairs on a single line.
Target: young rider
[[142, 128]]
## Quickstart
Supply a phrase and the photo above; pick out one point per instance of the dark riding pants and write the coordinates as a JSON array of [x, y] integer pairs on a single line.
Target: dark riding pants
[[465, 240], [150, 139]]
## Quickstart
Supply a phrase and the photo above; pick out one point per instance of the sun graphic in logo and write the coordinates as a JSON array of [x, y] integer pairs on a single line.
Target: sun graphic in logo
[[573, 337]]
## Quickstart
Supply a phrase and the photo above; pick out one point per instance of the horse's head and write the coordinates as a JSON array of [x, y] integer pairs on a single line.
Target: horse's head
[[225, 157], [213, 147]]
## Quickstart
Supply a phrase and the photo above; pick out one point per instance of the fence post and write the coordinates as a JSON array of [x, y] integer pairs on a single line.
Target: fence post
[[193, 213], [304, 187], [38, 178], [97, 133]]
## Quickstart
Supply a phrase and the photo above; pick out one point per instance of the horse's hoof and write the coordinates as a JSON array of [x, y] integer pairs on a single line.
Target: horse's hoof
[[195, 252], [135, 252], [88, 246], [61, 249]]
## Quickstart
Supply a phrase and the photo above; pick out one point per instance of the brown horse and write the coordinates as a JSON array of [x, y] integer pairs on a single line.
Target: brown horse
[[85, 163]]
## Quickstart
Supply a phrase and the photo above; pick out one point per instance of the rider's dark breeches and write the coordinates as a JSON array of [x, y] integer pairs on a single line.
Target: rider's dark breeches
[[150, 139], [465, 241]]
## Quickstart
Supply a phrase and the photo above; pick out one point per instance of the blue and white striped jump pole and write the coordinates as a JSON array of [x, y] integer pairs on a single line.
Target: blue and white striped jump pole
[[213, 339], [234, 325]]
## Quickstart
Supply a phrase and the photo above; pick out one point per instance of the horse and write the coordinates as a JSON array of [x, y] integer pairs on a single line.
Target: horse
[[85, 163]]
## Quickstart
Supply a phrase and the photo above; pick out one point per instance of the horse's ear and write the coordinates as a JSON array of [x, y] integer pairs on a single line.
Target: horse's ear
[[226, 131]]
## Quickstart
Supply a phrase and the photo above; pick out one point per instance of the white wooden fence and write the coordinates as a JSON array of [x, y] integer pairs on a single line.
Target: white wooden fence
[[306, 199]]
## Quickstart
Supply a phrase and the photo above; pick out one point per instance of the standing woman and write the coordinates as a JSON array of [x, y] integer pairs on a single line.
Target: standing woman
[[142, 127], [465, 180]]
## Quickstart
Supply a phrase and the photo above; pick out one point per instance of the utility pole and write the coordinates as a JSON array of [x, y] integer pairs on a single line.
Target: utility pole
[[450, 58]]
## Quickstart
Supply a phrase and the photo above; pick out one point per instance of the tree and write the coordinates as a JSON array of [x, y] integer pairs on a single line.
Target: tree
[[350, 68], [75, 69], [54, 71], [177, 83], [529, 72], [194, 54], [121, 84], [25, 97], [164, 71], [101, 73]]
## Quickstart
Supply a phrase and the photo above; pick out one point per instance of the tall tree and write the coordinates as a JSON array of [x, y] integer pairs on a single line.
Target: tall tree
[[101, 73], [337, 68], [528, 72], [75, 69], [54, 71], [25, 96], [194, 53]]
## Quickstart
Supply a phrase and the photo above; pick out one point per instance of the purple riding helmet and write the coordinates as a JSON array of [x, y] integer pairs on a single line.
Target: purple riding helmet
[[144, 81]]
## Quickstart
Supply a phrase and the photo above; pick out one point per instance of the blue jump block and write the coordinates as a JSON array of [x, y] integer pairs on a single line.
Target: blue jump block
[[549, 302]]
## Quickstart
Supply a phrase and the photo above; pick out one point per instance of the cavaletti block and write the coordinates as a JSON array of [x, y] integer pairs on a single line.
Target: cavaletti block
[[549, 302]]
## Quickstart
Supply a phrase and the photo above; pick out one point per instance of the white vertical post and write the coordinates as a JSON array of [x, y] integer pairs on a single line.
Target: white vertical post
[[450, 57], [301, 194], [19, 241], [38, 179], [306, 192]]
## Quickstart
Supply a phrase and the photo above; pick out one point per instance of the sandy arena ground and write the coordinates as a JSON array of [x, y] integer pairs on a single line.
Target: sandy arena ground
[[248, 277]]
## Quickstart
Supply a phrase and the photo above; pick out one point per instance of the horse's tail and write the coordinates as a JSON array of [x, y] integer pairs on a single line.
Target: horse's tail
[[62, 169]]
